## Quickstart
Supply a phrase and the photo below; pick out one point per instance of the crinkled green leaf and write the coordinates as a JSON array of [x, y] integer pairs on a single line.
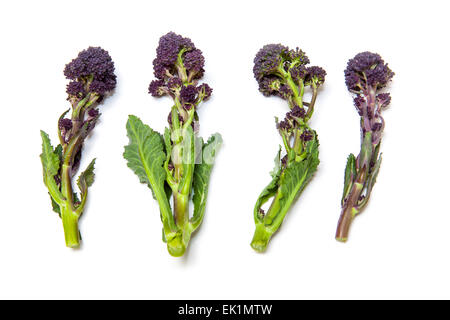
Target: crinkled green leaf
[[374, 173], [145, 154], [276, 170], [50, 159], [350, 174], [297, 175], [55, 206], [86, 178], [202, 173], [59, 152], [270, 190], [50, 165]]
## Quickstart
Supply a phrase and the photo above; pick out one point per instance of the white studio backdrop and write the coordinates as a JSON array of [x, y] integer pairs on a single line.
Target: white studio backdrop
[[398, 247]]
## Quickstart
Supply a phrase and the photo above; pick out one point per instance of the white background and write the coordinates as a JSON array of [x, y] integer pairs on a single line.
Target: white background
[[398, 248]]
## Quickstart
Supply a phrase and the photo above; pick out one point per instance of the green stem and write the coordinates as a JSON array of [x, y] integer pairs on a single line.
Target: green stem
[[311, 104], [181, 208], [70, 225], [178, 243], [298, 96], [261, 237]]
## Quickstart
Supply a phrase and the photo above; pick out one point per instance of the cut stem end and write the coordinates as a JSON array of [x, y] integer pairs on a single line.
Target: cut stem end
[[261, 238]]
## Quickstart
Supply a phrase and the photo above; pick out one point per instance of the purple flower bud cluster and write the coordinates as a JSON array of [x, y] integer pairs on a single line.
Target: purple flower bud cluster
[[194, 62], [367, 71], [284, 125], [65, 124], [307, 135], [315, 75], [296, 113], [292, 119], [171, 47], [76, 89], [93, 113], [178, 66], [269, 60], [188, 94], [91, 71], [157, 88], [276, 68], [174, 84], [384, 99]]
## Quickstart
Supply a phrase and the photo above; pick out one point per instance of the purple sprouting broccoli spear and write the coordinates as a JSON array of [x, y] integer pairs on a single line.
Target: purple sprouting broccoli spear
[[176, 164], [283, 72], [92, 78], [365, 76]]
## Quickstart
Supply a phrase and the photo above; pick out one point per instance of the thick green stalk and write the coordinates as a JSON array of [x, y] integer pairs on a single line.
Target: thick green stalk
[[274, 217], [70, 225], [183, 158], [68, 213], [181, 208], [178, 244], [261, 237]]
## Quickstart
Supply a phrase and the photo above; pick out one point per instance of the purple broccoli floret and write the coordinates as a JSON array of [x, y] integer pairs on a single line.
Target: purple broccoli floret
[[315, 75], [188, 94], [205, 90], [93, 69], [278, 69], [194, 61], [269, 60], [178, 67], [65, 124], [167, 52], [157, 88], [75, 88], [367, 70]]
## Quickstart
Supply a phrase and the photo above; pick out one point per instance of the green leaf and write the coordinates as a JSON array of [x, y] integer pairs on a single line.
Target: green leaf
[[55, 206], [59, 152], [350, 175], [293, 180], [270, 190], [145, 156], [276, 170], [86, 178], [298, 174], [50, 159], [374, 173], [50, 165], [202, 173]]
